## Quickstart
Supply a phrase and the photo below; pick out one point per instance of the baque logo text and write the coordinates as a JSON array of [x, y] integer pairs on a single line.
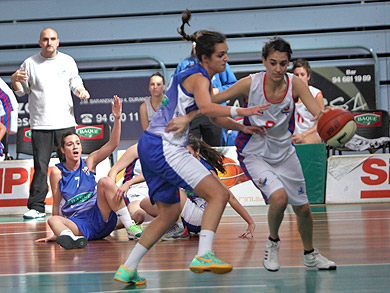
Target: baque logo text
[[89, 131], [367, 119]]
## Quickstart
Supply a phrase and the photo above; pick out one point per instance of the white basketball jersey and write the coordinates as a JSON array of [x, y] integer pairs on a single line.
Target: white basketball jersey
[[149, 108], [275, 145], [302, 115]]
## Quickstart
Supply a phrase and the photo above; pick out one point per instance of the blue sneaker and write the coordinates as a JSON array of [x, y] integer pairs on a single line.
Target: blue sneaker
[[126, 276]]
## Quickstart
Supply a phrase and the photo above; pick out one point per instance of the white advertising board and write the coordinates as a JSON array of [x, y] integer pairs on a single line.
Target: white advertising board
[[358, 178]]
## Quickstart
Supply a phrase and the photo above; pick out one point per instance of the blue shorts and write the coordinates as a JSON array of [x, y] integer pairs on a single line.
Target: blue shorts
[[92, 225], [166, 167]]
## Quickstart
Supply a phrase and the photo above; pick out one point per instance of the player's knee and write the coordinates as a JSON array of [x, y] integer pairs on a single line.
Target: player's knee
[[53, 220], [138, 216], [279, 200], [303, 211], [105, 182]]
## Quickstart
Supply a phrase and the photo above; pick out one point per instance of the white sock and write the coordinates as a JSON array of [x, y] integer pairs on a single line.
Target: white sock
[[180, 225], [206, 238], [135, 257], [70, 233], [124, 216]]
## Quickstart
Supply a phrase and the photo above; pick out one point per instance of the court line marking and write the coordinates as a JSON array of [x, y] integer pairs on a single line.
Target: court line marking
[[187, 288], [187, 270], [230, 223]]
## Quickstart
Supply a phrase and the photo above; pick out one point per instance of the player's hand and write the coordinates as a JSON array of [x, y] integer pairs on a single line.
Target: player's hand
[[122, 191], [83, 94], [255, 110], [249, 231], [46, 239], [326, 109], [20, 76], [249, 129], [177, 125], [116, 107], [297, 138]]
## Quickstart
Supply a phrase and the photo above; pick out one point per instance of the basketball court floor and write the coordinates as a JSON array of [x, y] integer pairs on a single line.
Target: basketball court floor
[[356, 237]]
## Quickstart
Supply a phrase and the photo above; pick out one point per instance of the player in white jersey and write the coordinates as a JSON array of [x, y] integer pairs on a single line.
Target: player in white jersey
[[167, 165], [151, 104], [270, 160], [8, 114], [305, 128]]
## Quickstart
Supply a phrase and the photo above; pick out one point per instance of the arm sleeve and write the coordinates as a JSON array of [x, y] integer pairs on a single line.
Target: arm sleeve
[[75, 81]]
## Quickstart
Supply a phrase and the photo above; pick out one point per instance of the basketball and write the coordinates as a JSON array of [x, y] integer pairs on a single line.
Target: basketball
[[336, 127], [232, 172]]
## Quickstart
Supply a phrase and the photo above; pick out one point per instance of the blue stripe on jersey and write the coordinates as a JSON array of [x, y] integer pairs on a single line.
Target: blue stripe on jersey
[[5, 100], [243, 167], [6, 103], [291, 124], [129, 172], [243, 138]]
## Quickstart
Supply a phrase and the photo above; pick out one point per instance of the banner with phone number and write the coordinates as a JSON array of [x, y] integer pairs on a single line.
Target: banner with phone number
[[131, 90]]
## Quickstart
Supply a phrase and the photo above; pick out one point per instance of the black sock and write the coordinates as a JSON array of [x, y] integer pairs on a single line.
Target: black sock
[[308, 251], [274, 240]]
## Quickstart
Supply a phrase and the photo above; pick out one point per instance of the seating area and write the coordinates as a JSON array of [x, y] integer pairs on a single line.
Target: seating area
[[131, 40]]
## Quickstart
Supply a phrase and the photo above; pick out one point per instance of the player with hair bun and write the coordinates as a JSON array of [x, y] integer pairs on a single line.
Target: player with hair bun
[[167, 165]]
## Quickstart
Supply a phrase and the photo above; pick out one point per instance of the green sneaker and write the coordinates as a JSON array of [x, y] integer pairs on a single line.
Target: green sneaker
[[209, 262], [134, 232], [126, 276]]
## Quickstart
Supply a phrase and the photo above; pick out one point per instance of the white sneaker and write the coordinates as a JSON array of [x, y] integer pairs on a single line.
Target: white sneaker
[[271, 257], [316, 260], [34, 214]]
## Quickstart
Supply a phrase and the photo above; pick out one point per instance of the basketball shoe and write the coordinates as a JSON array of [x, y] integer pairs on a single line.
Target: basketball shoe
[[176, 233], [127, 276], [316, 260], [271, 257], [33, 214], [134, 232], [209, 262], [68, 242]]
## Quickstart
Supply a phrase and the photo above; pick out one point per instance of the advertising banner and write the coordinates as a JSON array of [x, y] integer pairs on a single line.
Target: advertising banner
[[131, 90], [358, 179], [15, 181]]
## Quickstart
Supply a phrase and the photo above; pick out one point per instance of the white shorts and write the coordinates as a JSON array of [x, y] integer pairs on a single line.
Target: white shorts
[[192, 214], [137, 193], [286, 174]]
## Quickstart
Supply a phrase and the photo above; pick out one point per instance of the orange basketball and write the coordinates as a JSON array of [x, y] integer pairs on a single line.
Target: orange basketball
[[336, 127], [232, 172]]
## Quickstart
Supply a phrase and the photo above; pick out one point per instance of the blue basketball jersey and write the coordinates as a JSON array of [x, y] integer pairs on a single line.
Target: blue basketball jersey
[[176, 103], [78, 189]]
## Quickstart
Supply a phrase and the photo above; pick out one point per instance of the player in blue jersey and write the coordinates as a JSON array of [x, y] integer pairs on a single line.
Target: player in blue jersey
[[83, 209], [167, 164], [192, 205], [270, 160]]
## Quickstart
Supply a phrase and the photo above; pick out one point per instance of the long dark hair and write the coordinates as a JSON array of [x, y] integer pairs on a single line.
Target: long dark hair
[[60, 154], [212, 156], [205, 40]]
